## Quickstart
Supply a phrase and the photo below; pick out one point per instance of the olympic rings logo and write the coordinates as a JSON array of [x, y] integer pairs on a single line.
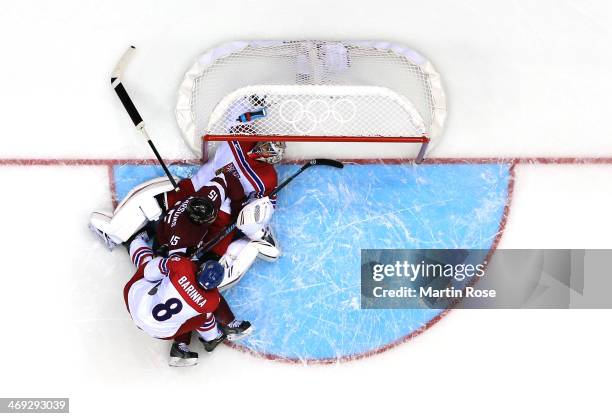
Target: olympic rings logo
[[305, 118]]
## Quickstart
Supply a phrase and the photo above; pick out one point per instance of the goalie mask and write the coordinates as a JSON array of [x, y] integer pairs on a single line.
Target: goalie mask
[[268, 151], [201, 211]]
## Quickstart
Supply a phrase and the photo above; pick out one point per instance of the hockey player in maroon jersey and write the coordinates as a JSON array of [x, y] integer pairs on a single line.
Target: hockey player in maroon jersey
[[193, 217], [169, 297]]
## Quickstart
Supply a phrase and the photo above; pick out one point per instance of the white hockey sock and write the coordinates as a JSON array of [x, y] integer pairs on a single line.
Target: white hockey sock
[[140, 252], [209, 330]]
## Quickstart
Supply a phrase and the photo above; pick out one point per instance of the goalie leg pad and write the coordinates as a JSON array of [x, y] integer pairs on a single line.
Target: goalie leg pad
[[266, 251], [138, 208], [255, 217], [142, 198], [237, 260]]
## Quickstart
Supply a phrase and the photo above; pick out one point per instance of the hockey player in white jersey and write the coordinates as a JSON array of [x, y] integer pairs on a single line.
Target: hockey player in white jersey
[[170, 297]]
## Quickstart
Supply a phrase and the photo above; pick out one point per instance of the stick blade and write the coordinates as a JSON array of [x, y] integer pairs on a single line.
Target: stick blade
[[327, 162]]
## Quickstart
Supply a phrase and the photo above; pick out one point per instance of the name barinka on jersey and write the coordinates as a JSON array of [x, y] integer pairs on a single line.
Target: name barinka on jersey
[[191, 291]]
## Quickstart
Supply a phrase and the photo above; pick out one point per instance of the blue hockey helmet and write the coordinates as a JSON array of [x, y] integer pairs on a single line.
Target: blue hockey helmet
[[210, 275]]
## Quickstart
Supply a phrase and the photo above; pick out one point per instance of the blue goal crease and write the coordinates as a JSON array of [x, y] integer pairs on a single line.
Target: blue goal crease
[[307, 304]]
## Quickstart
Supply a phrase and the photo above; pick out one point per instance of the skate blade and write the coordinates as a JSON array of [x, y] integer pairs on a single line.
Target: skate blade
[[236, 337], [182, 362]]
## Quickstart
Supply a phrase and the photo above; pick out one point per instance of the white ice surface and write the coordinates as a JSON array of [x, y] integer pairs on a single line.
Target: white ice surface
[[560, 207], [523, 79]]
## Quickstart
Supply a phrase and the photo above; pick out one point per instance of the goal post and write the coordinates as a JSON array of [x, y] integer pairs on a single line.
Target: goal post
[[320, 92]]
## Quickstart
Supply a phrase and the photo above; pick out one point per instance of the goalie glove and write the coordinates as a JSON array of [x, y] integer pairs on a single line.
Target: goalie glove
[[255, 217]]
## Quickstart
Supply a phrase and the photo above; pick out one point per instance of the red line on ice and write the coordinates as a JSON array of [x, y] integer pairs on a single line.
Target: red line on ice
[[433, 160]]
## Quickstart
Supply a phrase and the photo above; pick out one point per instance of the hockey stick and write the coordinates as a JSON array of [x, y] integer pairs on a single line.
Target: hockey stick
[[133, 112], [227, 230], [315, 162]]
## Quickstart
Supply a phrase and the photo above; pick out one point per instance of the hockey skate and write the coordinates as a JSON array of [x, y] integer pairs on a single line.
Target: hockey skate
[[210, 345], [268, 246], [97, 224], [237, 329], [181, 356], [143, 234], [269, 237]]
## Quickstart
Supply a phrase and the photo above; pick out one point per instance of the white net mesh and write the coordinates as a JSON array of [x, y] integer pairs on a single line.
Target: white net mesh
[[317, 111], [311, 88]]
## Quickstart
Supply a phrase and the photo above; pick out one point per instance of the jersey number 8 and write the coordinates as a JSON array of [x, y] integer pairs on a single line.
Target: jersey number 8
[[163, 311]]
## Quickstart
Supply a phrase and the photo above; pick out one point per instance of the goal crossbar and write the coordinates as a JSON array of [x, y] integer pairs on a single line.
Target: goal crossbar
[[321, 139], [313, 138]]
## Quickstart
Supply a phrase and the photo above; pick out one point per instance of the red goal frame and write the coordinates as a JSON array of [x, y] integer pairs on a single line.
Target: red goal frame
[[317, 139]]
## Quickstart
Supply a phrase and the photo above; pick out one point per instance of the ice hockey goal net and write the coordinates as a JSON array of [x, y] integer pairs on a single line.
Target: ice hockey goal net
[[307, 92]]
